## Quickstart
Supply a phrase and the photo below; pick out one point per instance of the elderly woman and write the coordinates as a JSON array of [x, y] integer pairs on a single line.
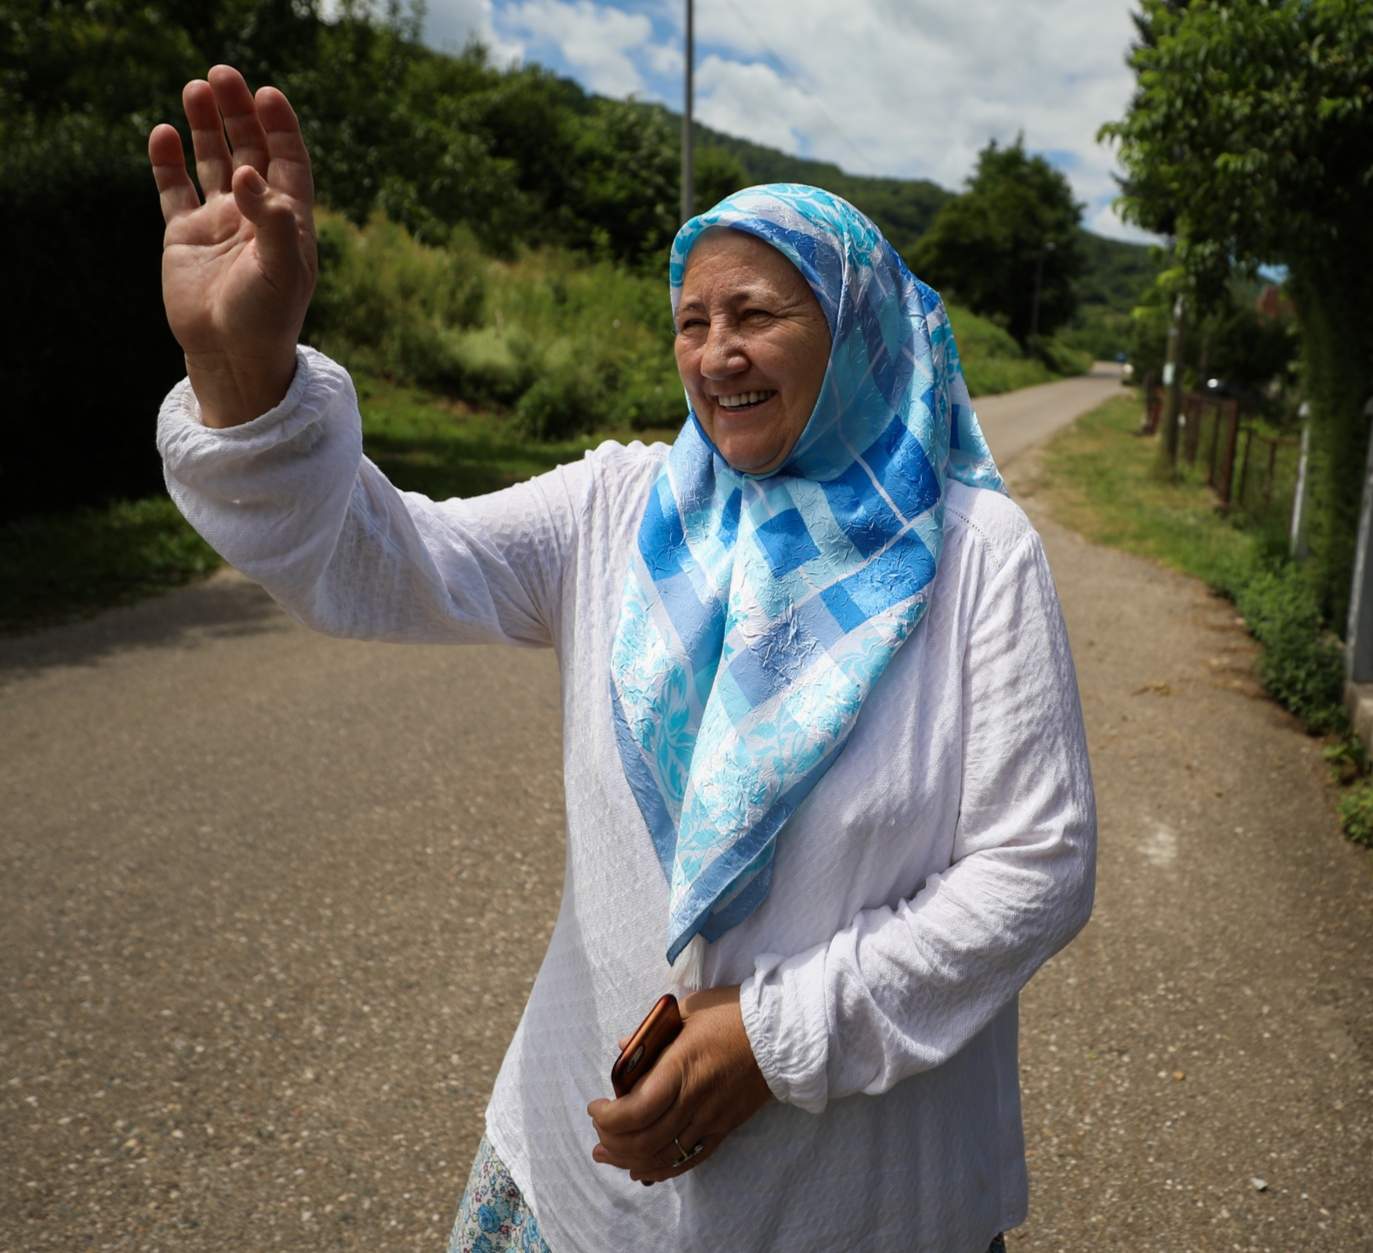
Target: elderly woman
[[824, 759]]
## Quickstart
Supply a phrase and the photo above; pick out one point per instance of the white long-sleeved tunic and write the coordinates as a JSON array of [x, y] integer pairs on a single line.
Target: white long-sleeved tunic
[[947, 853]]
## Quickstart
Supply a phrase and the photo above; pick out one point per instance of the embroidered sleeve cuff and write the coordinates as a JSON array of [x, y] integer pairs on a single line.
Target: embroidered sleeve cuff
[[783, 1006]]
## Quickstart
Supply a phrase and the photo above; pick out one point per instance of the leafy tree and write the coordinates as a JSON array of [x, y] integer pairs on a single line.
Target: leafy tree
[[627, 185], [1013, 233], [1248, 139], [717, 173]]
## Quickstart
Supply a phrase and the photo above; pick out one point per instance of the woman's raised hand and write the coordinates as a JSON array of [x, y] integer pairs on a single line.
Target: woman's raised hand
[[238, 269]]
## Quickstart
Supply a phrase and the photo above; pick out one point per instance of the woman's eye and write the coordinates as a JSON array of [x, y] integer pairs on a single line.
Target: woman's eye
[[754, 315]]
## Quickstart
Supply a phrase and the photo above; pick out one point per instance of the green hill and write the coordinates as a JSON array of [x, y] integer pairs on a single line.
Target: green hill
[[1116, 273]]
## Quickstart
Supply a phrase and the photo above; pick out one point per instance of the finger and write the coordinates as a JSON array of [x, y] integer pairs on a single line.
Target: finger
[[646, 1145], [273, 218], [647, 1102], [175, 190], [289, 167], [675, 1171], [212, 164], [235, 104]]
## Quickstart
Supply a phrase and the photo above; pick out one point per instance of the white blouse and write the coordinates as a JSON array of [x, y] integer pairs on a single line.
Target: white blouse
[[945, 856]]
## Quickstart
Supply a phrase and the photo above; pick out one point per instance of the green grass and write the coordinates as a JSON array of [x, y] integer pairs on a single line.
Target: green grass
[[62, 566], [426, 444], [1099, 476], [57, 567]]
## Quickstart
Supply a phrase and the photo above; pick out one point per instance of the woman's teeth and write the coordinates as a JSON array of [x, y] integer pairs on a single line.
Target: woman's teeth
[[743, 399]]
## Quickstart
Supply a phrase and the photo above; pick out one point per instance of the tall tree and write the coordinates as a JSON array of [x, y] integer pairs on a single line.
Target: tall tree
[[1008, 246], [1248, 137]]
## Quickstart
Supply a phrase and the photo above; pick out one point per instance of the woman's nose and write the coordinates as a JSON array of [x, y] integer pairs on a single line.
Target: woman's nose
[[723, 354]]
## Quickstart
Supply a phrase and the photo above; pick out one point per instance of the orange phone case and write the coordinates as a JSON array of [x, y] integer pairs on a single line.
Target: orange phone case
[[650, 1038]]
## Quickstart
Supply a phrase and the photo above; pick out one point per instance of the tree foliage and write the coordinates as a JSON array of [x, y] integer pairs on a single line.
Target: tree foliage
[[1011, 239], [1248, 138]]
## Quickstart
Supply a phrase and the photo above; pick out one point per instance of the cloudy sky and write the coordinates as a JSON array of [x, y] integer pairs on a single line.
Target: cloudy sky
[[909, 88]]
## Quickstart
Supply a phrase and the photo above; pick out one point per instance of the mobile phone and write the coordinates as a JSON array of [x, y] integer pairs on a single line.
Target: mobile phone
[[650, 1038]]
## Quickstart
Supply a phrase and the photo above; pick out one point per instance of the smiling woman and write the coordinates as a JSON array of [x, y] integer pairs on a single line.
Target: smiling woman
[[752, 345], [824, 762]]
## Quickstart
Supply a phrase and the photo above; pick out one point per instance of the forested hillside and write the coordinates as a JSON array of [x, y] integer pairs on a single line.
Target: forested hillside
[[487, 163]]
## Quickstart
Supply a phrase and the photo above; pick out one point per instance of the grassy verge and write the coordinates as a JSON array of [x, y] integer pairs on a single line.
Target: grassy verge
[[57, 567], [1100, 480], [62, 566]]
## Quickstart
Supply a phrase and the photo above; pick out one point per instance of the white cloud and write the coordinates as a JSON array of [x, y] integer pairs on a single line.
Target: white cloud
[[914, 89], [450, 25], [907, 88], [596, 41]]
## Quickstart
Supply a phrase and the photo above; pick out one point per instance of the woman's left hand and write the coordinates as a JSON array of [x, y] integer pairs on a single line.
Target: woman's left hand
[[704, 1085]]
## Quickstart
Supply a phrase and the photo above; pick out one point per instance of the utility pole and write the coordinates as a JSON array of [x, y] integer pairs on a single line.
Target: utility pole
[[688, 173]]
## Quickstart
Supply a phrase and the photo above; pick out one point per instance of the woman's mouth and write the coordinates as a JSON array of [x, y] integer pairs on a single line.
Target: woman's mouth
[[740, 402]]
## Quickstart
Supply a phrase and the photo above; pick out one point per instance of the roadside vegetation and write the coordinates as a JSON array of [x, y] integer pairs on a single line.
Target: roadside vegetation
[[492, 253], [1101, 478], [473, 372]]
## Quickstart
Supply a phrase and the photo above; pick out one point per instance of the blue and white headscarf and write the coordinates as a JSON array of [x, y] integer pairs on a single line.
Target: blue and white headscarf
[[760, 610]]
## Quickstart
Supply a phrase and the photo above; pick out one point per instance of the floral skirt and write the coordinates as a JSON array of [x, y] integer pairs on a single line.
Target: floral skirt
[[493, 1216]]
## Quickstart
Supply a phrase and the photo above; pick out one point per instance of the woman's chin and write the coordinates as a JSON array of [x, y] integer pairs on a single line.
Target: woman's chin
[[752, 457]]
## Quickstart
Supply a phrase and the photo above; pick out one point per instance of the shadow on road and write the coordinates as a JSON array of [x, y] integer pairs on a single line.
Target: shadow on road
[[223, 606]]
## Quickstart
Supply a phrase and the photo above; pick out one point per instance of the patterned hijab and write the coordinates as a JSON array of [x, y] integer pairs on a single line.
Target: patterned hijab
[[759, 611]]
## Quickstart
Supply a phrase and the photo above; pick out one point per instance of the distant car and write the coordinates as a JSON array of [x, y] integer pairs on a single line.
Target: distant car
[[1120, 358]]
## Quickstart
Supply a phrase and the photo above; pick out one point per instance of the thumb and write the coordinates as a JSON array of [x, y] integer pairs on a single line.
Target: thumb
[[271, 215]]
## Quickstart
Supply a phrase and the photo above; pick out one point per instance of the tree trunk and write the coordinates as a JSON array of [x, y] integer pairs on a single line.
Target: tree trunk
[[1335, 311], [1172, 393]]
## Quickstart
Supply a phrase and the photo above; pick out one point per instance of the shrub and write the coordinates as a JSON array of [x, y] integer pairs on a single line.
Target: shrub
[[494, 366], [648, 395], [389, 302], [1302, 663], [1060, 357], [564, 400], [1356, 814]]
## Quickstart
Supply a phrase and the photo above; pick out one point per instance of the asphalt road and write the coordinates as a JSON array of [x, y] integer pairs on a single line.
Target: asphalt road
[[271, 905]]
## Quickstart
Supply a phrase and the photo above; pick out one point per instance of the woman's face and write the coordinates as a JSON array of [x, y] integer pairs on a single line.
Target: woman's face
[[752, 347]]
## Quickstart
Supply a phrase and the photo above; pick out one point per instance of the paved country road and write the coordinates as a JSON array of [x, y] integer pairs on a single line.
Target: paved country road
[[270, 905]]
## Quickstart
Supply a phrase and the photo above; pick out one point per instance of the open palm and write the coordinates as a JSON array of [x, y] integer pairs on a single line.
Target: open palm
[[238, 268]]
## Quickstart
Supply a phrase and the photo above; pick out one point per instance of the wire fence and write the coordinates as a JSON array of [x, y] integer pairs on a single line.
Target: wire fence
[[1249, 468]]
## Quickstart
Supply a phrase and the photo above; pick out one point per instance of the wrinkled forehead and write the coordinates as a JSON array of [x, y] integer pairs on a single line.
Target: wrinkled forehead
[[818, 233]]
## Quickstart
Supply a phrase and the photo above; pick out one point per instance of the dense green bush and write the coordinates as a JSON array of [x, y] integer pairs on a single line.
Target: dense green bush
[[1302, 664], [1356, 814], [568, 345], [389, 302], [992, 361], [1060, 357]]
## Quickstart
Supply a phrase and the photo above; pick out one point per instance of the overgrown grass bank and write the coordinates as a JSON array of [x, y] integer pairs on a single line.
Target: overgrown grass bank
[[473, 371], [61, 566], [560, 344], [1101, 480]]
